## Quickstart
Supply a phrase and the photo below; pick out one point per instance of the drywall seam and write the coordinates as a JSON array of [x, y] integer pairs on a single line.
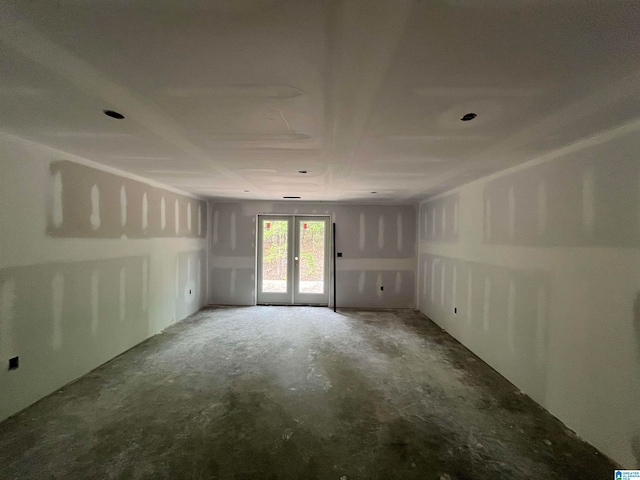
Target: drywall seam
[[107, 192], [603, 137], [232, 262], [384, 264], [529, 257], [55, 153]]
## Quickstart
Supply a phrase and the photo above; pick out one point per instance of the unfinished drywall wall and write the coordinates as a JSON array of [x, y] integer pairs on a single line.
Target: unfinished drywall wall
[[86, 269], [537, 271], [378, 244], [119, 206]]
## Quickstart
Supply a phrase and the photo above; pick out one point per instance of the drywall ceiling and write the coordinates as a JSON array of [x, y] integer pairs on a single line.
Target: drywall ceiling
[[231, 98]]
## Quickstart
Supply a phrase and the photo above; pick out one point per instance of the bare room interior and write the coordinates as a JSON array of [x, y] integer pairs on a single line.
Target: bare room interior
[[324, 239]]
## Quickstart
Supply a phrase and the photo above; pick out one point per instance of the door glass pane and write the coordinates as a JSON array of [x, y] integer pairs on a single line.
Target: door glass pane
[[311, 269], [274, 256]]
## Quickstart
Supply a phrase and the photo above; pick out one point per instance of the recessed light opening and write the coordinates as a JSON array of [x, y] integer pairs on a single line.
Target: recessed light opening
[[112, 114], [290, 197], [302, 171], [468, 116], [374, 192]]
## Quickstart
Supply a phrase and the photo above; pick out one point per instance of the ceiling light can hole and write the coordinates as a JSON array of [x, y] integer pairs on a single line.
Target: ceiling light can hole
[[113, 114], [468, 116]]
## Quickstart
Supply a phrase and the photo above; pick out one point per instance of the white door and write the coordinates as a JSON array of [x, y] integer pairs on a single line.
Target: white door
[[293, 260]]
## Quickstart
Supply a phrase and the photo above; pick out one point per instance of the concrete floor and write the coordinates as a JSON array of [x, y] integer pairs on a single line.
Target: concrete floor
[[294, 393]]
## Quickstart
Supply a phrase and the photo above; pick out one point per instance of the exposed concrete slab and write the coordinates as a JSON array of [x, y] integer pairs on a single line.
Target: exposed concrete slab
[[278, 392]]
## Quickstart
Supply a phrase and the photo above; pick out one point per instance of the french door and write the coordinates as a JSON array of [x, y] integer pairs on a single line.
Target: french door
[[293, 260]]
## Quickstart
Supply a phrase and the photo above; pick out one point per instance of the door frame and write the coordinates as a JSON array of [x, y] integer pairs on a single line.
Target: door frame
[[293, 237]]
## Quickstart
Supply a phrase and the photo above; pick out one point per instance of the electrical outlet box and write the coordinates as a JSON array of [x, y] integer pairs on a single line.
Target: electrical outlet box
[[455, 310], [381, 287], [339, 254], [14, 363]]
